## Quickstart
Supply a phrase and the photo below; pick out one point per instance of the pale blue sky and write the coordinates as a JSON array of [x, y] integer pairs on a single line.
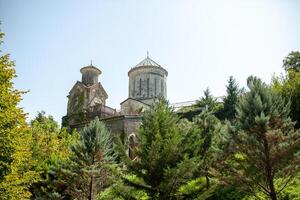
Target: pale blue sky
[[200, 43]]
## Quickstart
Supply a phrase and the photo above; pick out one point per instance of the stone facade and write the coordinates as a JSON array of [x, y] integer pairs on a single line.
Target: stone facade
[[147, 83], [87, 99], [133, 106]]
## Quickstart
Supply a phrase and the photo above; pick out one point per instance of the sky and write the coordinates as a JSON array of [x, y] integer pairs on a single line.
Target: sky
[[200, 43]]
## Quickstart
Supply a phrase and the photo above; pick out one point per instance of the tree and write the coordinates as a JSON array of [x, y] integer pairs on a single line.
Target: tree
[[47, 122], [231, 99], [16, 163], [206, 123], [262, 151], [161, 167], [207, 101], [50, 149], [88, 172], [292, 61], [288, 85]]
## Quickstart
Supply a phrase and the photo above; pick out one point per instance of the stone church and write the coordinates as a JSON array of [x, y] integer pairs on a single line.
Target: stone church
[[87, 98]]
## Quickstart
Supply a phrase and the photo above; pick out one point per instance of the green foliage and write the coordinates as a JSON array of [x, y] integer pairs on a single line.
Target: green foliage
[[196, 189], [47, 122], [197, 139], [88, 172], [288, 86], [190, 135], [10, 115], [121, 191], [208, 102], [262, 152], [162, 167], [50, 148], [292, 191], [233, 92], [292, 61], [206, 122], [16, 163], [225, 192]]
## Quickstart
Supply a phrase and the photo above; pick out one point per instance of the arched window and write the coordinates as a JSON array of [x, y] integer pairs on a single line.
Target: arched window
[[131, 146]]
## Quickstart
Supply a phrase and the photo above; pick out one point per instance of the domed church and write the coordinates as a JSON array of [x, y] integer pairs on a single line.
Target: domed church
[[147, 82], [87, 98]]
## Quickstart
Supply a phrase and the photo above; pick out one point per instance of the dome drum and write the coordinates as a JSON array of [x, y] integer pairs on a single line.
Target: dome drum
[[147, 81], [90, 75]]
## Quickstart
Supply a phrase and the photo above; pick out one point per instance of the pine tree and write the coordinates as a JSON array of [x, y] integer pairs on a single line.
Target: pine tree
[[16, 163], [261, 153], [231, 99], [206, 123], [88, 172], [207, 101], [161, 167]]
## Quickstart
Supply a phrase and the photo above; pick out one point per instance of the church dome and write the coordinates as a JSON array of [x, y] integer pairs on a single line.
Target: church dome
[[90, 74], [90, 68], [147, 63], [147, 81]]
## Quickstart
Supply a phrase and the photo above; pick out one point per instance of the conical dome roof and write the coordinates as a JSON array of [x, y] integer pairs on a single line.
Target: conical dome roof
[[147, 62], [90, 67]]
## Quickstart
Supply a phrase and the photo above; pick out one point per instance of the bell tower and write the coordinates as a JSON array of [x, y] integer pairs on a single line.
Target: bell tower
[[87, 99], [90, 75]]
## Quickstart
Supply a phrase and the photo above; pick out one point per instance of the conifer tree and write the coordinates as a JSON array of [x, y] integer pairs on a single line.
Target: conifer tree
[[16, 163], [231, 99], [206, 123], [261, 153], [161, 167], [88, 172], [207, 101]]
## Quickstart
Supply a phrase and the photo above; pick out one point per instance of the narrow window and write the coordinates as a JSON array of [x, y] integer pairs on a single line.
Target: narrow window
[[133, 91], [162, 87], [148, 87], [155, 80], [140, 87]]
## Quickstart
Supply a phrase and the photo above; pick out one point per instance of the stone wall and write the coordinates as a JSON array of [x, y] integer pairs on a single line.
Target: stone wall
[[131, 106], [147, 82], [123, 125]]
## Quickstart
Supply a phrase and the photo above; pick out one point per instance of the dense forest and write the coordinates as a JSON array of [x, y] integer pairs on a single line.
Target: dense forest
[[245, 147]]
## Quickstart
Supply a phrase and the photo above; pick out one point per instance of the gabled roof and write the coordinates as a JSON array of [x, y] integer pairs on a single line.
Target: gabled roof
[[78, 83], [102, 88], [134, 100]]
